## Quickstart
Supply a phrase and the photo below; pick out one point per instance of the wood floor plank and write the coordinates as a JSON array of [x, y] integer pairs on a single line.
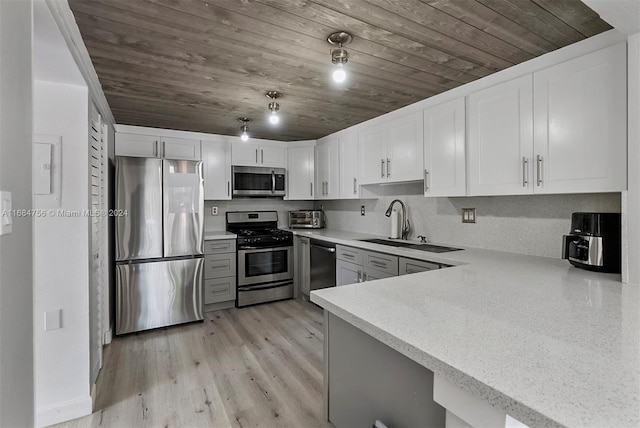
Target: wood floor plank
[[250, 367]]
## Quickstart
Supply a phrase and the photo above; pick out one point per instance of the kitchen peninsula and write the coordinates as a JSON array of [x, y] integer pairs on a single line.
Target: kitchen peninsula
[[529, 337]]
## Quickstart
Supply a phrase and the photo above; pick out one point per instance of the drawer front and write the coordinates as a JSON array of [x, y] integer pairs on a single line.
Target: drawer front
[[373, 274], [220, 246], [349, 254], [219, 290], [381, 262], [409, 266], [219, 265]]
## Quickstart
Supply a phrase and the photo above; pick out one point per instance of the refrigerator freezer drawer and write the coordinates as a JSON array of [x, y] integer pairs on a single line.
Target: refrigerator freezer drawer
[[158, 294]]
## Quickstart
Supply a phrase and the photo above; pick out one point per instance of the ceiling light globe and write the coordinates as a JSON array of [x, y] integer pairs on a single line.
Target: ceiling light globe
[[244, 136], [273, 118], [339, 75]]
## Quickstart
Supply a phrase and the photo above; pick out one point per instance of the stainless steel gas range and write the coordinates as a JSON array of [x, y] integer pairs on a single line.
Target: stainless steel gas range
[[265, 257]]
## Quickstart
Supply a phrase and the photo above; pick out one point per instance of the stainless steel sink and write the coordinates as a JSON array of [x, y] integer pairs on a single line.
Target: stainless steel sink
[[422, 247]]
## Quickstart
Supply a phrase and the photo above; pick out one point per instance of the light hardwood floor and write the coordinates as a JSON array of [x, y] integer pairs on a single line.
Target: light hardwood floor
[[259, 366]]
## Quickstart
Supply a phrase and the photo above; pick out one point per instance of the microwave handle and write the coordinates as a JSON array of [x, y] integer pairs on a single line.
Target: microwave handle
[[273, 181]]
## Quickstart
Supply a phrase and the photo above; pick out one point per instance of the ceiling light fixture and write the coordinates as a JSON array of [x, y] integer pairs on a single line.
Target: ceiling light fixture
[[273, 106], [339, 56], [244, 129]]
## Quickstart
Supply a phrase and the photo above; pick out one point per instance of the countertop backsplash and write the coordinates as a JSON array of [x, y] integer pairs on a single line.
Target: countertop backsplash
[[528, 224], [217, 222]]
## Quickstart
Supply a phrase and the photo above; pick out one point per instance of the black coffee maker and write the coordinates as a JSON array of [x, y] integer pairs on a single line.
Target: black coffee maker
[[594, 242]]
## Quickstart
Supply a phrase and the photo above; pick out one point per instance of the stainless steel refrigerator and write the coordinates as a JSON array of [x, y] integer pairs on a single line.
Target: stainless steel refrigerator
[[159, 243]]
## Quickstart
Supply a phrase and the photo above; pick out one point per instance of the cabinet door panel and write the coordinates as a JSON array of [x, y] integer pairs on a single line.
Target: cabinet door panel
[[300, 161], [181, 148], [348, 157], [500, 136], [444, 149], [216, 157], [273, 156], [372, 148], [245, 154], [580, 116], [144, 146], [405, 148], [347, 273]]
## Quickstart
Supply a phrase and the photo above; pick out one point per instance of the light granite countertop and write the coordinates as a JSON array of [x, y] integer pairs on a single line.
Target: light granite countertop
[[213, 235], [548, 343]]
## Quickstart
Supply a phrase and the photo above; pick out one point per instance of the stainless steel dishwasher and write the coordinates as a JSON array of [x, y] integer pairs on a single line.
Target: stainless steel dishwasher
[[323, 264]]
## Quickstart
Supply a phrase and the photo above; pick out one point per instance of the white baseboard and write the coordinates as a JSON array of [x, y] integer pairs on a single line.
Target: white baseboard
[[62, 412]]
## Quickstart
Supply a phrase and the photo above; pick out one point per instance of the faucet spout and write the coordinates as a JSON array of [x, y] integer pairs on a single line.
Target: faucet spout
[[405, 223]]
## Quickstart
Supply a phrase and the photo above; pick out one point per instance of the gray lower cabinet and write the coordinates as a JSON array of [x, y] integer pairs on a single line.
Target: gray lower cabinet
[[219, 274], [365, 381], [356, 265]]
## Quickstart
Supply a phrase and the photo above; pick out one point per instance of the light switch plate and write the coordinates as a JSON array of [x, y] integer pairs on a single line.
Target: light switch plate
[[214, 210], [6, 218], [468, 215]]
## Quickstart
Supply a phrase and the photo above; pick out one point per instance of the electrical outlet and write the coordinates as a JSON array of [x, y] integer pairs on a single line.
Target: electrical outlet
[[53, 320], [214, 210], [468, 215], [361, 209]]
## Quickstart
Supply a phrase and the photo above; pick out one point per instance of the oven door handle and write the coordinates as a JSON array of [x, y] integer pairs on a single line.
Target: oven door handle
[[264, 286], [243, 248]]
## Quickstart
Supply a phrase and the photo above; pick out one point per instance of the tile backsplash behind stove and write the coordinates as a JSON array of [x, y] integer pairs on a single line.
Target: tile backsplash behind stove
[[217, 222]]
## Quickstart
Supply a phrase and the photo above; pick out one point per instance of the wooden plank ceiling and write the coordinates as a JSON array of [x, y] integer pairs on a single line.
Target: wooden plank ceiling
[[199, 65]]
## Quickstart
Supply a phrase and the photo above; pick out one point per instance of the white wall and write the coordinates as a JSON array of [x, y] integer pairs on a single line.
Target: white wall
[[530, 225], [215, 223], [16, 281], [61, 262]]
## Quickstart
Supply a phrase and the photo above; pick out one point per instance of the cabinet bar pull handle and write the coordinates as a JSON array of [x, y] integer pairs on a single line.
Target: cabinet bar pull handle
[[539, 169], [355, 190], [155, 148], [359, 276], [228, 188], [364, 276], [256, 155], [261, 155], [376, 263], [164, 148], [426, 180], [381, 168], [525, 172], [311, 192], [388, 167]]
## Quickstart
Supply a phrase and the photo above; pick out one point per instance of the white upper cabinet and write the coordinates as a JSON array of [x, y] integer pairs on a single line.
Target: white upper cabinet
[[249, 154], [444, 149], [404, 148], [327, 168], [392, 151], [580, 116], [501, 139], [153, 146], [216, 159], [348, 154], [300, 168]]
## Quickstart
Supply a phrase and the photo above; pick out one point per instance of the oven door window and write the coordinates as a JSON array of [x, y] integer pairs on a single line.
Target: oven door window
[[266, 263]]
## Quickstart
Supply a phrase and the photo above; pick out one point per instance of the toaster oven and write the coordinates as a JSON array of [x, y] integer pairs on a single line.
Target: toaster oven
[[306, 219]]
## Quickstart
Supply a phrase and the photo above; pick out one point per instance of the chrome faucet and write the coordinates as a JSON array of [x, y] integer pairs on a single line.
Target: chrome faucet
[[405, 223]]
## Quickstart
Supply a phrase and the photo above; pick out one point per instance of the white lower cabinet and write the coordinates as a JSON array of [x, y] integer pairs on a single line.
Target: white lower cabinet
[[356, 265], [219, 274]]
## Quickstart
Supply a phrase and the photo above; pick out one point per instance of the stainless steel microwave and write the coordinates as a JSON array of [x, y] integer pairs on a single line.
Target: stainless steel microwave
[[258, 181]]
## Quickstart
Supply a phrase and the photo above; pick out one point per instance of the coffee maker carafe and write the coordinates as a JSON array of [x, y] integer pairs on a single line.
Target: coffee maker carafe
[[594, 242]]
